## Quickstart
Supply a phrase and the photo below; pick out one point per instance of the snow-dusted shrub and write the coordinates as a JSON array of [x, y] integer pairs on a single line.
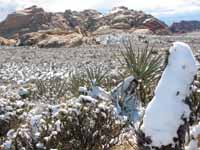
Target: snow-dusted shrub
[[83, 123], [12, 114], [167, 116], [145, 65]]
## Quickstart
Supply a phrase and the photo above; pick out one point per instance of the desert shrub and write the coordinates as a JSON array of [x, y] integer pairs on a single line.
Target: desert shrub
[[49, 89], [84, 123], [12, 114], [144, 64]]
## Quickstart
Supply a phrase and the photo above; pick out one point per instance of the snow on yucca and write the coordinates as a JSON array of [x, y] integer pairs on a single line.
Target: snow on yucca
[[168, 111]]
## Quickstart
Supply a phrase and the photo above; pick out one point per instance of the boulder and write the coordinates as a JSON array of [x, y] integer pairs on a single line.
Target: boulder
[[121, 25], [142, 31], [51, 39], [31, 19], [123, 18], [7, 42]]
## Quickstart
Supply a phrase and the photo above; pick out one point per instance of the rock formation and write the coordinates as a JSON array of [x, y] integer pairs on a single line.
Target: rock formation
[[30, 20], [185, 26], [7, 42], [51, 39], [27, 24]]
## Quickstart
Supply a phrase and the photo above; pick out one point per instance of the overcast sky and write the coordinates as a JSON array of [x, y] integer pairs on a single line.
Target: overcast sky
[[167, 10]]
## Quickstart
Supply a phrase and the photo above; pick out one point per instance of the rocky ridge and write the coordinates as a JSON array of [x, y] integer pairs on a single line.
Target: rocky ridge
[[185, 26], [34, 26]]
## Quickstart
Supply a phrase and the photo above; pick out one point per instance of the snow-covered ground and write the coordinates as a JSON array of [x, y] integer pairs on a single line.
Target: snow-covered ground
[[19, 66]]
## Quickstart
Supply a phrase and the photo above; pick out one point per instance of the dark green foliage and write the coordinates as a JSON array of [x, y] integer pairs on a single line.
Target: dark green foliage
[[144, 65]]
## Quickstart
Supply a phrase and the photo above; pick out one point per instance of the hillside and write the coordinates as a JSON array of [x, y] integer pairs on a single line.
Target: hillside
[[34, 26]]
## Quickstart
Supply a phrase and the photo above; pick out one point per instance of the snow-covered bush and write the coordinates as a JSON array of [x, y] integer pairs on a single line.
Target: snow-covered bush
[[83, 123], [167, 116], [12, 114]]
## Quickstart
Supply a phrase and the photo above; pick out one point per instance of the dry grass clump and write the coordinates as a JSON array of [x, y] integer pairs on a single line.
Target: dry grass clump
[[88, 77]]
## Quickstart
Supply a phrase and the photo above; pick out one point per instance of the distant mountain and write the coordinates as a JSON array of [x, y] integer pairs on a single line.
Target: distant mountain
[[34, 19], [34, 26], [185, 26]]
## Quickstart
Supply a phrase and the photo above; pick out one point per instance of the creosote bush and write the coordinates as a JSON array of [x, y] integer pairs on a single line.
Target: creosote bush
[[84, 123]]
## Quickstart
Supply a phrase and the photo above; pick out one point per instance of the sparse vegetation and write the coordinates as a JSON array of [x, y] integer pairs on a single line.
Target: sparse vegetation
[[81, 125], [64, 117]]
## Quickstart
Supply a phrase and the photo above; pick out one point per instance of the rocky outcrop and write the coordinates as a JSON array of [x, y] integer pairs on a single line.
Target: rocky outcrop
[[185, 26], [156, 26], [7, 42], [31, 20], [126, 19], [27, 25], [51, 39]]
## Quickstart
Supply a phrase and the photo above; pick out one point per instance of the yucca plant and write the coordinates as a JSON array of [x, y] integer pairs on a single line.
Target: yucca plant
[[144, 65], [194, 102], [88, 77], [76, 79], [96, 74]]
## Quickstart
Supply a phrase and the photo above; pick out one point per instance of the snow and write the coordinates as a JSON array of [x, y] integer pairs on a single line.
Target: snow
[[195, 131], [83, 90], [131, 106], [7, 145], [19, 103], [99, 93], [194, 134], [11, 133], [164, 113], [40, 146], [58, 125], [193, 145], [35, 121], [87, 99]]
